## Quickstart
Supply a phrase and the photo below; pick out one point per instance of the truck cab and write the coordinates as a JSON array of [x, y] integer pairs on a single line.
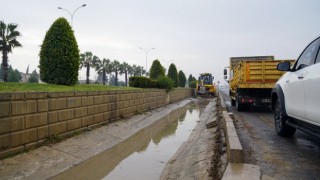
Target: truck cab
[[205, 85]]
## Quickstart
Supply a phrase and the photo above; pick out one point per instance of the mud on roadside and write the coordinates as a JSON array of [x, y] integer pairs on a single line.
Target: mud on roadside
[[219, 159], [203, 155]]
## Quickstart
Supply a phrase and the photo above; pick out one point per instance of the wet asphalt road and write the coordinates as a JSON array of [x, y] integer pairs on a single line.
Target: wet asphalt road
[[281, 158]]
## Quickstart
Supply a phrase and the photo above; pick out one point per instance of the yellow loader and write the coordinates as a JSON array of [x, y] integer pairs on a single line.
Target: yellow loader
[[205, 86]]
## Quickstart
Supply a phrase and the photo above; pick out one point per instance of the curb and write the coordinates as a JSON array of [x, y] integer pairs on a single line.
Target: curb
[[236, 168], [234, 148]]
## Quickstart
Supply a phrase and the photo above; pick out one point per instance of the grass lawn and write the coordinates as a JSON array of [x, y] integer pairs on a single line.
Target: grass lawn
[[33, 87]]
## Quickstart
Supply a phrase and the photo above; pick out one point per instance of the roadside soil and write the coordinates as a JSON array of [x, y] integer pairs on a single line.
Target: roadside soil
[[201, 156]]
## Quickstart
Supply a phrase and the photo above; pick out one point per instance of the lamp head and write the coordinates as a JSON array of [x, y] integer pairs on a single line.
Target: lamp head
[[84, 5]]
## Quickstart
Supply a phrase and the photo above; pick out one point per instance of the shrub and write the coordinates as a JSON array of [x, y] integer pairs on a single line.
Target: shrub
[[193, 84], [142, 82], [14, 75], [59, 55], [162, 82], [1, 72], [34, 78], [165, 83]]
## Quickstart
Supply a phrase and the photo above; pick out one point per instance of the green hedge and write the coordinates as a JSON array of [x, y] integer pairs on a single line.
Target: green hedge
[[142, 82], [165, 83], [162, 82]]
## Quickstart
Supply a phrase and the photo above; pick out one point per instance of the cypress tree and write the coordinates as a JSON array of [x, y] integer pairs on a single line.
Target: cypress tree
[[182, 79], [190, 78], [59, 55], [156, 69], [173, 74]]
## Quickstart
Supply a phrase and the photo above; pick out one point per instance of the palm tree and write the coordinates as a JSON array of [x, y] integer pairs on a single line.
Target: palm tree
[[8, 41], [124, 69], [115, 67], [134, 70], [143, 71], [138, 70], [87, 60], [103, 67], [130, 71]]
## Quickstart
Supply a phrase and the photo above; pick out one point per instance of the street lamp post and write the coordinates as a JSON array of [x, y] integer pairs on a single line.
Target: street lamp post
[[146, 51], [83, 5]]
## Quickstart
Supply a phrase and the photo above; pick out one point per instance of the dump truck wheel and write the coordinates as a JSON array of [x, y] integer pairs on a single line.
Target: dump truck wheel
[[239, 106]]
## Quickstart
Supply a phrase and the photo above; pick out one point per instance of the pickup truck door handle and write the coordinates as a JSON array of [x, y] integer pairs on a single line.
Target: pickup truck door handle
[[300, 76]]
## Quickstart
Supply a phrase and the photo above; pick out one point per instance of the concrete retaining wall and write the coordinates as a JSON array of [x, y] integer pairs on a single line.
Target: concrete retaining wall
[[27, 119]]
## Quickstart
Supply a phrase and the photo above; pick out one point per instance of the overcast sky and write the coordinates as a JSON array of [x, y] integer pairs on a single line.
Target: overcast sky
[[196, 35]]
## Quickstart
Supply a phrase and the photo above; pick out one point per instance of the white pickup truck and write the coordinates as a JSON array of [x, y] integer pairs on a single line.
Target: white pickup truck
[[296, 95]]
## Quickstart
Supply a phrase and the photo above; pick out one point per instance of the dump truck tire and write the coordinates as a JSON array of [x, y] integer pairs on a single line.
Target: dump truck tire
[[239, 106]]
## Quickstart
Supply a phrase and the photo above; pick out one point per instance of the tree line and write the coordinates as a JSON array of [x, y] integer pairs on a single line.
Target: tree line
[[105, 66], [157, 70], [15, 76], [60, 58]]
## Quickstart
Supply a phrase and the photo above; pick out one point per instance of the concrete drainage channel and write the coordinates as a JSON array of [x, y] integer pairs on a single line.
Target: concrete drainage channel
[[192, 160], [51, 160], [236, 169], [200, 157]]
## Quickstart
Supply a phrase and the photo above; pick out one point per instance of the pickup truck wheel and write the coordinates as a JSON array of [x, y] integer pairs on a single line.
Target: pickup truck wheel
[[282, 128]]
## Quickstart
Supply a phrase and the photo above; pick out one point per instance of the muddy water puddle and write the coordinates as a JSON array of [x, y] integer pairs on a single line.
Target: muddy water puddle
[[143, 155]]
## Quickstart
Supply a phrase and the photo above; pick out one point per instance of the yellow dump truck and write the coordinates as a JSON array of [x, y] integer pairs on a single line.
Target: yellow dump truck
[[252, 79]]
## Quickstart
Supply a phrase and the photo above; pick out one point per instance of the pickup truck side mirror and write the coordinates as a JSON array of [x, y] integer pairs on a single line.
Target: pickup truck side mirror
[[283, 66]]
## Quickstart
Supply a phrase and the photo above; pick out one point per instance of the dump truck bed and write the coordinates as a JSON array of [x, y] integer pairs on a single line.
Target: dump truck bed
[[252, 79], [256, 74], [235, 60]]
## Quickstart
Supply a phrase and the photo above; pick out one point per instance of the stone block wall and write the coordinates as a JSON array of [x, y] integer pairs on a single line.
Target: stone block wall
[[179, 94], [29, 118]]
